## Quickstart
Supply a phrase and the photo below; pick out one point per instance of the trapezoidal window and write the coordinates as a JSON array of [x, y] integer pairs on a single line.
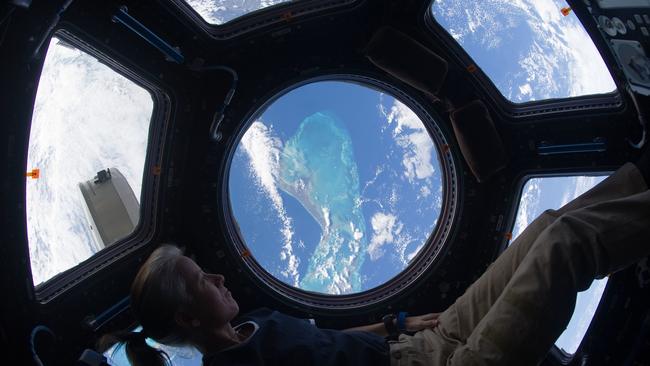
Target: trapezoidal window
[[336, 187], [543, 193], [217, 12], [528, 48], [87, 148]]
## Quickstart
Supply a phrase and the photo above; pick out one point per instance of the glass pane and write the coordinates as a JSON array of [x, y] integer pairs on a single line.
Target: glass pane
[[180, 356], [336, 187], [538, 195], [527, 48], [218, 12], [87, 119]]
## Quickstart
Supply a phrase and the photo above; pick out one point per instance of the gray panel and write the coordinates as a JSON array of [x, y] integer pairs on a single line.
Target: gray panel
[[616, 4]]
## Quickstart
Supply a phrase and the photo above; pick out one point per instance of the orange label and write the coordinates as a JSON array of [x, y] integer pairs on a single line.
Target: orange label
[[34, 174]]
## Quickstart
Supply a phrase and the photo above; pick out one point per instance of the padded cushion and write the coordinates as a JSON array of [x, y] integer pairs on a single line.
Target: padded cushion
[[407, 60], [479, 140]]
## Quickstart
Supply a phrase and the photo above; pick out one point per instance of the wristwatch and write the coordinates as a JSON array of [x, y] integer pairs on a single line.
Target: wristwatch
[[391, 328]]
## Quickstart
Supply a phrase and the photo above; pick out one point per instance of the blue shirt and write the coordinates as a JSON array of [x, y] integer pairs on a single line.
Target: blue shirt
[[285, 340]]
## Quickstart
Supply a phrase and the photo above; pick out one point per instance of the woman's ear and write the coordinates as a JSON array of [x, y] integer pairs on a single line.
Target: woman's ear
[[186, 320]]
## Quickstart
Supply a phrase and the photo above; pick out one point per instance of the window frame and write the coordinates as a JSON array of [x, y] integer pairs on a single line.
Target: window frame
[[558, 354], [260, 18], [57, 285], [595, 102], [427, 259]]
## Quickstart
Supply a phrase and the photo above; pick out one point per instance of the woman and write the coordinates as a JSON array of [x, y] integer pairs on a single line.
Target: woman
[[510, 316], [178, 304]]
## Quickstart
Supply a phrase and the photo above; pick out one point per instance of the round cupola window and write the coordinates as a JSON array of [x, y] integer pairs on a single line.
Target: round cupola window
[[340, 190]]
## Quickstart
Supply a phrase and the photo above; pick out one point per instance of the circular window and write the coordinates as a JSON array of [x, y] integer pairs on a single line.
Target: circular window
[[340, 188]]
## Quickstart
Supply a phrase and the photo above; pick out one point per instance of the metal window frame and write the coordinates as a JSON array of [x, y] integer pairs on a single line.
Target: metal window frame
[[422, 263], [57, 285]]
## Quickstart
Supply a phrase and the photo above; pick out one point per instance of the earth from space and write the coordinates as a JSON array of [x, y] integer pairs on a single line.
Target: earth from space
[[86, 118], [332, 196], [528, 48], [335, 186], [219, 12]]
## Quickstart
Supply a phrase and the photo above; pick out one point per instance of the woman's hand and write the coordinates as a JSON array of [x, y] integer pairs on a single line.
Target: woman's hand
[[416, 323]]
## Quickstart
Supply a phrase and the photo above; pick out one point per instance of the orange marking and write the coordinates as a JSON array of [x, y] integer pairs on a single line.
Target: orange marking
[[156, 170], [509, 236], [34, 174], [566, 11], [246, 254], [472, 68], [287, 17]]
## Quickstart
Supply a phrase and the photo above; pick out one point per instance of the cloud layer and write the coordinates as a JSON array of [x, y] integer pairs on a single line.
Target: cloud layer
[[263, 151], [222, 11], [550, 55], [86, 118]]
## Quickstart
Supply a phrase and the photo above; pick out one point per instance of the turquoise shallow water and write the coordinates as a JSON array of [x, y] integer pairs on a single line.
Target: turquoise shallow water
[[318, 168]]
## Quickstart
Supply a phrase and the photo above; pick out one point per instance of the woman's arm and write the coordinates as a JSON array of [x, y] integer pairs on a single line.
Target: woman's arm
[[377, 328], [413, 324]]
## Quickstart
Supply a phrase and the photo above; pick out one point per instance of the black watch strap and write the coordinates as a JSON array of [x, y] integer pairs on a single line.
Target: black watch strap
[[391, 327]]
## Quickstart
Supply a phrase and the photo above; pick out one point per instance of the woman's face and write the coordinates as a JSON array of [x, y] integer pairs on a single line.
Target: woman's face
[[213, 304]]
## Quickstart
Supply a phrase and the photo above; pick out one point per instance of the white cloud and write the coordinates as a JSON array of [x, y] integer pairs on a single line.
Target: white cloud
[[326, 218], [561, 60], [378, 170], [340, 283], [331, 271], [526, 90], [322, 272], [573, 54], [589, 75], [411, 135], [356, 233], [546, 11], [86, 118], [209, 10], [576, 186], [263, 151], [528, 206], [409, 256], [222, 11], [394, 197], [385, 229]]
